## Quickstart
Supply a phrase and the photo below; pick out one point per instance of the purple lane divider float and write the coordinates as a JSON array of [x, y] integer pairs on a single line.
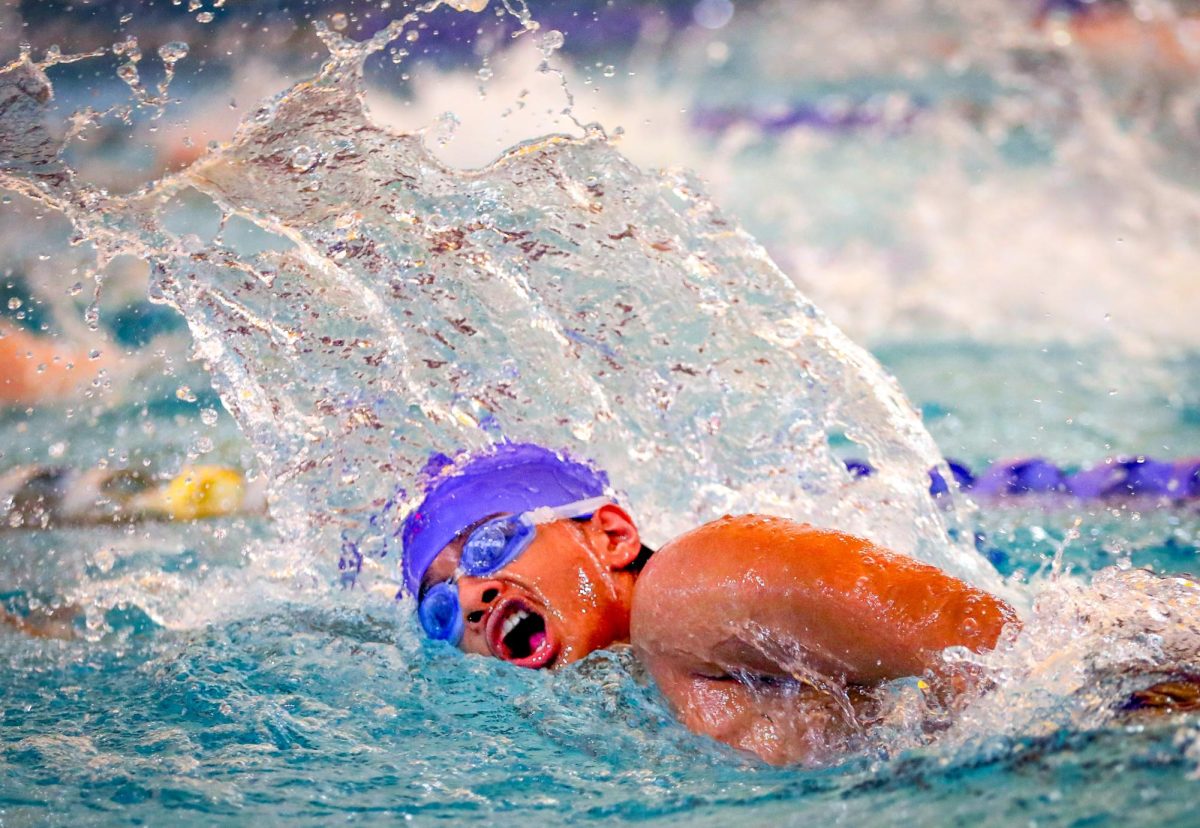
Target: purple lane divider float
[[1116, 477]]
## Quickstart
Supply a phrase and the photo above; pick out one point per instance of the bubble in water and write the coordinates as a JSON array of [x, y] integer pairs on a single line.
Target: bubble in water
[[185, 393], [204, 17], [339, 21], [467, 5], [94, 353], [208, 416], [610, 70], [195, 5], [14, 303], [485, 73]]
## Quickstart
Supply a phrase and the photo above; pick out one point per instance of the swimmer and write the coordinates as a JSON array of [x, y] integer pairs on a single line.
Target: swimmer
[[1115, 33], [763, 633], [35, 370], [39, 497]]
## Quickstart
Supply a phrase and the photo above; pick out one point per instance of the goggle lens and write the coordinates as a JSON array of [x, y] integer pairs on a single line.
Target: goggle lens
[[440, 614], [494, 545]]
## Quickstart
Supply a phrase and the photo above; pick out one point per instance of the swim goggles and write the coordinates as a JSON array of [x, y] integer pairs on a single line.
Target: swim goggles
[[490, 547]]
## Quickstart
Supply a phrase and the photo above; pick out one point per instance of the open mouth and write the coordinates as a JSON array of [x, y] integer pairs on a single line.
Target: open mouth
[[517, 633]]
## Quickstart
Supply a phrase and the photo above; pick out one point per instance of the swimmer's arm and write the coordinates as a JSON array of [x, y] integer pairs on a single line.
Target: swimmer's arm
[[754, 643], [780, 724], [796, 601]]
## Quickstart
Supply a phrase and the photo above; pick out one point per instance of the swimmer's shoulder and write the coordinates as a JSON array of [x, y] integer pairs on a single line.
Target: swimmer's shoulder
[[737, 542]]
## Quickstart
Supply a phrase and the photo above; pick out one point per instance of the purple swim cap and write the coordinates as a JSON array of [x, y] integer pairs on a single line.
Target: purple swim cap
[[510, 478]]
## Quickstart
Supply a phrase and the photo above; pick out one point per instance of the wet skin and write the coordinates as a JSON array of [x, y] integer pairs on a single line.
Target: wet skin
[[62, 371], [757, 630], [571, 583]]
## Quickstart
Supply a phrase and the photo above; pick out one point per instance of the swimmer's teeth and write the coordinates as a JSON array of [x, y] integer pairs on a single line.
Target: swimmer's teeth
[[511, 622]]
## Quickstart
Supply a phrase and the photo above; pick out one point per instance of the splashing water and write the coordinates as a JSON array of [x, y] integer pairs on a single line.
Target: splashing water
[[393, 307], [361, 305]]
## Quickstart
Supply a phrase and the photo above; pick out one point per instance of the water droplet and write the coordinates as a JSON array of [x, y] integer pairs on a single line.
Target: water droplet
[[610, 70], [185, 393], [125, 18], [552, 41], [173, 52], [412, 36], [304, 158], [194, 5], [485, 73], [94, 353], [57, 450], [713, 14], [204, 17], [208, 416], [14, 303], [104, 558], [339, 21], [203, 445]]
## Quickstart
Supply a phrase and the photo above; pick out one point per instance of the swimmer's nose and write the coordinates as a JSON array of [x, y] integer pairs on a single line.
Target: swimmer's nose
[[477, 597]]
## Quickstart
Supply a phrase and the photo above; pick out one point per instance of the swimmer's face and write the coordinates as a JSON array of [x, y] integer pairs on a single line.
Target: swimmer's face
[[567, 594]]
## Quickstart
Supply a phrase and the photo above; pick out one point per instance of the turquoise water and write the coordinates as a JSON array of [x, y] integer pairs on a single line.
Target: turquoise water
[[216, 675], [266, 700]]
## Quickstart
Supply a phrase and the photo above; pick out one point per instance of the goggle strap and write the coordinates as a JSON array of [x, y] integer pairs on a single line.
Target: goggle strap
[[549, 514]]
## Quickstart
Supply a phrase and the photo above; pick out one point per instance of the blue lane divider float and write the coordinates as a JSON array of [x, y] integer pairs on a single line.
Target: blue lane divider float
[[1117, 477]]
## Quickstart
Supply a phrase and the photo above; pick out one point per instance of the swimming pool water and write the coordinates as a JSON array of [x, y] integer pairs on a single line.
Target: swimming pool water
[[268, 698], [213, 676]]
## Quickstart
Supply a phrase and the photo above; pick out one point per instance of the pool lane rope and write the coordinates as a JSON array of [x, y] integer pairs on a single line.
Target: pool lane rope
[[1116, 477]]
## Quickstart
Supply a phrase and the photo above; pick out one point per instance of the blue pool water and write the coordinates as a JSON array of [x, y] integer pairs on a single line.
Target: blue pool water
[[270, 700], [953, 206]]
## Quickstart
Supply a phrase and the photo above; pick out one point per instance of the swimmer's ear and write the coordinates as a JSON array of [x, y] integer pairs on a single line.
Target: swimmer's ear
[[616, 537]]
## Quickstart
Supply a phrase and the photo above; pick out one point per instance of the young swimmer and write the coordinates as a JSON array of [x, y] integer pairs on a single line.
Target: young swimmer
[[756, 629]]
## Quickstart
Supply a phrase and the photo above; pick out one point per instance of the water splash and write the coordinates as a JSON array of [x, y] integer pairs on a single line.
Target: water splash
[[392, 306]]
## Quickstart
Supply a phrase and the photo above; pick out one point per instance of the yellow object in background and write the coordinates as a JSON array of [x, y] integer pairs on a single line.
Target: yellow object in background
[[200, 492]]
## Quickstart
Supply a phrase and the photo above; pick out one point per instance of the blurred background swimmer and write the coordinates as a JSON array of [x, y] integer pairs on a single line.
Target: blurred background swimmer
[[39, 497], [36, 369]]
